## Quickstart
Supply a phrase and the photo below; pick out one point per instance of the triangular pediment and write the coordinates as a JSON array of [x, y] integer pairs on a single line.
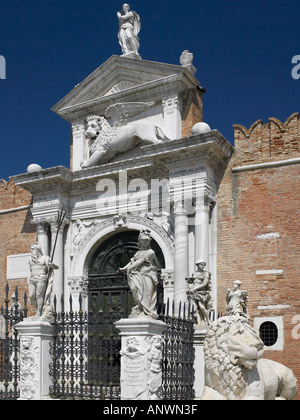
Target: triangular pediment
[[117, 76]]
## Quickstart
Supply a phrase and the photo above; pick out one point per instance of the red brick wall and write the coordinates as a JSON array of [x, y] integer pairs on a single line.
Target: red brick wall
[[192, 110], [16, 233], [252, 205]]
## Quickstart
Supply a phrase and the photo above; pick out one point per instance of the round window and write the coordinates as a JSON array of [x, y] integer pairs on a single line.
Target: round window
[[268, 333]]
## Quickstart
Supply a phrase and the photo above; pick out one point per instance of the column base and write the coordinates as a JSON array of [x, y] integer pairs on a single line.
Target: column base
[[199, 364], [141, 358], [35, 337]]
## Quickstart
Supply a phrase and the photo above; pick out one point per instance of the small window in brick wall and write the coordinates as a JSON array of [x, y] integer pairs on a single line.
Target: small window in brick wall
[[268, 333]]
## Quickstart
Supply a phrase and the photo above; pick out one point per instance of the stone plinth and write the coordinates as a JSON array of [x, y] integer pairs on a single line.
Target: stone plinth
[[199, 364], [35, 337], [141, 358]]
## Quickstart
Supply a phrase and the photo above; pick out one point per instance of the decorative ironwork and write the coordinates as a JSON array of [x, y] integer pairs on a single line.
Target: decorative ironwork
[[179, 353], [86, 350], [10, 315]]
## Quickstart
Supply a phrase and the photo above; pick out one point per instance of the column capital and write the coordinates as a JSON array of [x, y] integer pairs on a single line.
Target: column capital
[[78, 127]]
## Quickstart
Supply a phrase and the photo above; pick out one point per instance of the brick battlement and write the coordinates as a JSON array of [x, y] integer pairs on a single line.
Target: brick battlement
[[266, 142]]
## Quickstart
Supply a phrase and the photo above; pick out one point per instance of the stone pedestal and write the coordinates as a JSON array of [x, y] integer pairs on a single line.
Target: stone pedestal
[[35, 337], [199, 364], [141, 358]]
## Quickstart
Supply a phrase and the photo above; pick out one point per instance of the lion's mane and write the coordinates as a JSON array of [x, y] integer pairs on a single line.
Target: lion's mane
[[217, 355], [106, 134]]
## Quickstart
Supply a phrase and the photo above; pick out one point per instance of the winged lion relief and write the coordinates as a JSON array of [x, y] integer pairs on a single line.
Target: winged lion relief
[[109, 140]]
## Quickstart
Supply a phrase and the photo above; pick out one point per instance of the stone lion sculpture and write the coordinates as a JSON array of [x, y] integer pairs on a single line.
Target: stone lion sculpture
[[234, 368], [108, 141]]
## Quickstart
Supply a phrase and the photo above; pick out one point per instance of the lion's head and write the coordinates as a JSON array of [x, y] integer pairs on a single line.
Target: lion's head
[[93, 126], [100, 132], [231, 346]]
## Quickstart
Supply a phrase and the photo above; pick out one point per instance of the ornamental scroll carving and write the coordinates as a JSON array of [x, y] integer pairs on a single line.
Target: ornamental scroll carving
[[29, 366]]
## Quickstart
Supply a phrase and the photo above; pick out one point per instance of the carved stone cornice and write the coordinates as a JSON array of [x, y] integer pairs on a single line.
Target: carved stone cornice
[[158, 161], [133, 78]]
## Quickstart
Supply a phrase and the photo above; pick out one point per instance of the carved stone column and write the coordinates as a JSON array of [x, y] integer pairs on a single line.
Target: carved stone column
[[167, 277], [202, 229], [42, 236], [35, 359], [79, 286], [172, 117], [181, 263], [79, 145], [141, 358], [58, 259]]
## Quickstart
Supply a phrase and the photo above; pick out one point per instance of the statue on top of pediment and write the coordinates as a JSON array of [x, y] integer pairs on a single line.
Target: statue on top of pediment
[[130, 26]]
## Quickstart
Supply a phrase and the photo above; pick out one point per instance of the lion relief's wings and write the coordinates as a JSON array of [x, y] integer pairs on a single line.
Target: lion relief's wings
[[119, 113]]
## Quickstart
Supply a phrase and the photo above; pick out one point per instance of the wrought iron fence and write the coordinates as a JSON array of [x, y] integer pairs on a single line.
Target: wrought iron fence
[[10, 314], [86, 348], [178, 353], [85, 352]]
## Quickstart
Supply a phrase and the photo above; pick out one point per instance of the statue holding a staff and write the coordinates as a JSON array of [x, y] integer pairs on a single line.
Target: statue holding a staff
[[41, 273], [40, 281]]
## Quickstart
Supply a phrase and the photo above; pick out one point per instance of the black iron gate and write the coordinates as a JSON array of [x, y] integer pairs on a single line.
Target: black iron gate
[[10, 314], [86, 350]]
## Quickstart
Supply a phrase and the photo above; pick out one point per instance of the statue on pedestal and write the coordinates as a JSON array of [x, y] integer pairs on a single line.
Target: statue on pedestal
[[237, 300], [200, 292], [40, 282], [142, 278], [130, 27]]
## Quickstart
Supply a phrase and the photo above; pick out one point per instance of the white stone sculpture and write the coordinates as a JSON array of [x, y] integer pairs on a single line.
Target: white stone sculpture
[[80, 228], [199, 292], [234, 368], [237, 300], [29, 365], [142, 278], [108, 141], [120, 221], [40, 283], [164, 220], [155, 359], [130, 26], [186, 58], [134, 366]]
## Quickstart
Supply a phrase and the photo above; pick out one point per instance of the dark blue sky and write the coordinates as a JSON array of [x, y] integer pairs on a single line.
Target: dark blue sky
[[242, 51]]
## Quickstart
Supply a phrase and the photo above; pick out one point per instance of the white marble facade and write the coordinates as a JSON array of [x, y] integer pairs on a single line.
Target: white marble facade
[[166, 183]]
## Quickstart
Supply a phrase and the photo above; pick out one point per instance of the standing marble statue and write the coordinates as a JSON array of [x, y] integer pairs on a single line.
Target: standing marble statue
[[142, 278], [200, 292], [237, 300], [130, 27], [40, 282]]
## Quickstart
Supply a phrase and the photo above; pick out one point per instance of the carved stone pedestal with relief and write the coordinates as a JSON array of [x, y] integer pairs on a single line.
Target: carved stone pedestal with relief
[[34, 359], [141, 358]]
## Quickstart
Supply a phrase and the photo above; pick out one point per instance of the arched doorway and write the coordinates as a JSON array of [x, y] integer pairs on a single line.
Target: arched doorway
[[112, 254], [110, 299]]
